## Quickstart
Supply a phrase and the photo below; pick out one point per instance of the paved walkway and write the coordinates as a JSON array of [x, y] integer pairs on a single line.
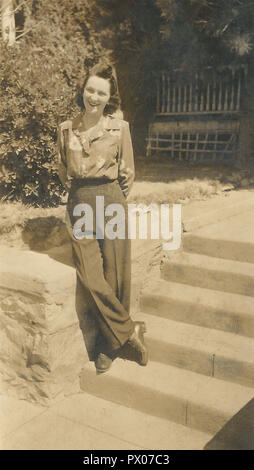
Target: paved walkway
[[74, 423], [85, 422]]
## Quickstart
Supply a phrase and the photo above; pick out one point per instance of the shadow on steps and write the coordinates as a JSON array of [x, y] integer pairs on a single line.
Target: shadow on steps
[[237, 433]]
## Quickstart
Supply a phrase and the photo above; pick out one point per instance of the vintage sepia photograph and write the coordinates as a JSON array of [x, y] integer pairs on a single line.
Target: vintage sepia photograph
[[127, 227]]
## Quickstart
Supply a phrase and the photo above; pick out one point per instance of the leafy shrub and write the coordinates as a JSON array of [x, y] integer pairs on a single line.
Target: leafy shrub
[[39, 77]]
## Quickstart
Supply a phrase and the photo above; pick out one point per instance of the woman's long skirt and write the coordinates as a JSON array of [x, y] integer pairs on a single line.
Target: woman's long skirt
[[103, 267]]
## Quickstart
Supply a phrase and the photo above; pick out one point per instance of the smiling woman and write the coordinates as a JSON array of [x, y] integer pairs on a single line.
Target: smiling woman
[[96, 159]]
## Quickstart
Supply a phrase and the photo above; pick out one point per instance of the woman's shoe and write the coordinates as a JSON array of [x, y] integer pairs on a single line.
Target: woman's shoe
[[103, 363], [137, 344]]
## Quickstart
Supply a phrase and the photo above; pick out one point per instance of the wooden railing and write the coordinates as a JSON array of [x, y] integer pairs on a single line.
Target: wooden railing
[[201, 92], [195, 146]]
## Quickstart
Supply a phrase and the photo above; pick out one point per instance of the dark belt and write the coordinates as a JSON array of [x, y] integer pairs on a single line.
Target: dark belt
[[81, 182]]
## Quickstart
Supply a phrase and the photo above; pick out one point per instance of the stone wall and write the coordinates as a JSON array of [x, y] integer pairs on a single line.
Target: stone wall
[[41, 348]]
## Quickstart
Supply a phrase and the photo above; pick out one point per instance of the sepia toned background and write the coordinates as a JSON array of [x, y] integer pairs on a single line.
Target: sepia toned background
[[185, 70]]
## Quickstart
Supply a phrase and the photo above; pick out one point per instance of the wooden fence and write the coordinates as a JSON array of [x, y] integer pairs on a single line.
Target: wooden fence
[[198, 115], [201, 92], [197, 146]]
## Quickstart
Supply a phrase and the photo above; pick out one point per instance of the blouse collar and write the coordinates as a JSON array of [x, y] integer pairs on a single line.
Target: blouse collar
[[107, 124]]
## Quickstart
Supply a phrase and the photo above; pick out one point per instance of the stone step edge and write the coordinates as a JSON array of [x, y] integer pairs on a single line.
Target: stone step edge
[[162, 433], [183, 345], [200, 306], [217, 215], [181, 396], [206, 297], [186, 258], [208, 272], [219, 248]]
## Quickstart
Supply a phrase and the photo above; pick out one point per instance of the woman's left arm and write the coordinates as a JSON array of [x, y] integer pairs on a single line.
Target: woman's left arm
[[126, 169], [61, 154]]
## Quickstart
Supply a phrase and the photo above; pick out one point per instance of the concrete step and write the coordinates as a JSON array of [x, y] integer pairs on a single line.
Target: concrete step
[[211, 273], [195, 305], [185, 397], [199, 214], [129, 426], [213, 353], [218, 248], [229, 239]]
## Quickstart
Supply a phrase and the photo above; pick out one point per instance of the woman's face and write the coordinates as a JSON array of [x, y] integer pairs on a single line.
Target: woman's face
[[96, 94]]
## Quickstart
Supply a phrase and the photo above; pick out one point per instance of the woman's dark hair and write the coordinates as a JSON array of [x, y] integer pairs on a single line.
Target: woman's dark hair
[[107, 72]]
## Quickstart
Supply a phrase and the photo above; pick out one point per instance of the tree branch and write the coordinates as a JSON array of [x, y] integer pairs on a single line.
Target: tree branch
[[24, 33], [19, 6]]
